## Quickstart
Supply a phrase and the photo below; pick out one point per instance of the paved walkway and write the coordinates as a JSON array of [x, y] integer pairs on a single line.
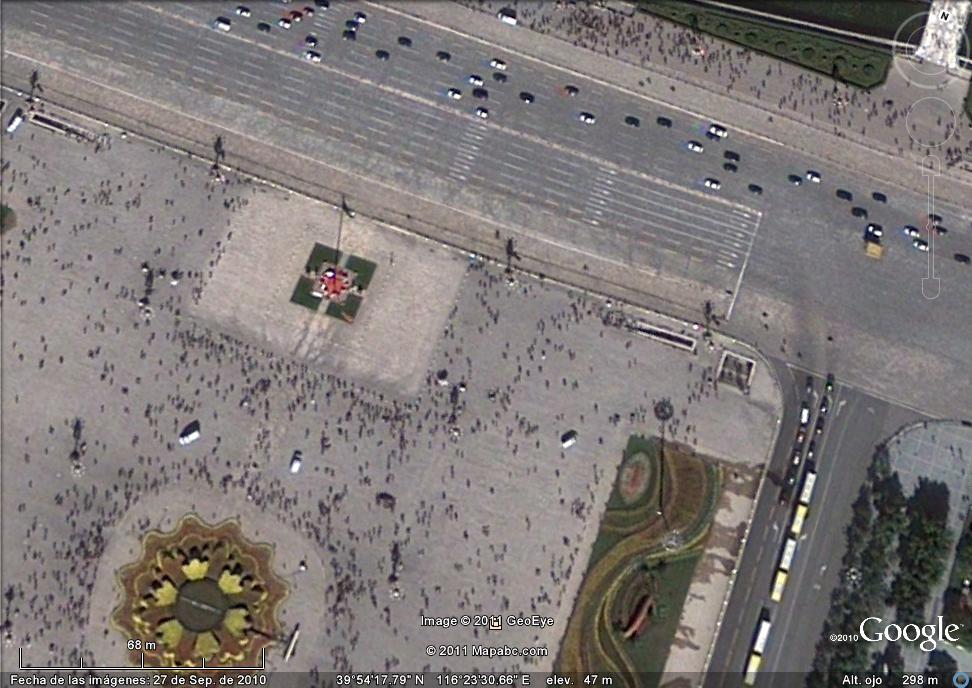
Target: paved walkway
[[869, 131], [942, 40]]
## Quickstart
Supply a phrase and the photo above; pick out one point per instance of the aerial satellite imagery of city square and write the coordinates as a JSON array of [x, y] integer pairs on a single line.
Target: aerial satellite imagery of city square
[[446, 343]]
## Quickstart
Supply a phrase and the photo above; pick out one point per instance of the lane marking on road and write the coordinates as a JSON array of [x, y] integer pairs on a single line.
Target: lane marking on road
[[364, 178], [742, 271], [569, 153], [808, 538], [890, 159]]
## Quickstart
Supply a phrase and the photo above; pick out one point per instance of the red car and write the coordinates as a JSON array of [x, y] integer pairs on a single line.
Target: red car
[[296, 16]]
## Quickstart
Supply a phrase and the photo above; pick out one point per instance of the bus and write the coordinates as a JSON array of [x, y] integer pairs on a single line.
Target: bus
[[759, 648], [779, 584], [783, 572], [799, 517], [808, 482]]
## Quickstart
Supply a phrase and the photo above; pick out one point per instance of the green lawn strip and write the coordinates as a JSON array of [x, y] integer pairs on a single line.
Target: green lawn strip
[[302, 294], [365, 270], [855, 63], [8, 218], [319, 255], [850, 15]]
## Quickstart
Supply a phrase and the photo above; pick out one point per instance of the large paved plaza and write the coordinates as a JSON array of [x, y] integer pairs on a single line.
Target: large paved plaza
[[490, 513]]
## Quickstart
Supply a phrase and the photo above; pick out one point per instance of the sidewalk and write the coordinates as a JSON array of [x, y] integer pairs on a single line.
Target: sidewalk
[[762, 96]]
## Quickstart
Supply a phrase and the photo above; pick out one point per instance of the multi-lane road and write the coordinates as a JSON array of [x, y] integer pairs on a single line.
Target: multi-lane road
[[855, 425], [786, 265]]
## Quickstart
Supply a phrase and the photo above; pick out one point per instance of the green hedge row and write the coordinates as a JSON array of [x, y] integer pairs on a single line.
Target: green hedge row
[[857, 64]]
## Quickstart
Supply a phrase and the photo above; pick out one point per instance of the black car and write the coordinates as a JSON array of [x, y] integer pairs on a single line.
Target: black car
[[819, 427], [571, 90], [632, 121], [829, 384], [934, 219], [755, 189], [858, 211], [263, 27], [845, 195], [940, 230], [731, 155], [443, 56], [730, 167], [322, 4], [808, 386], [526, 97], [480, 93], [499, 77], [663, 122], [879, 197], [962, 258], [382, 55], [795, 179], [310, 41], [350, 35], [405, 41]]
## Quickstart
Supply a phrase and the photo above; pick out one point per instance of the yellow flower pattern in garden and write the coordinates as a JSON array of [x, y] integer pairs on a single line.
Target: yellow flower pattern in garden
[[196, 569], [200, 592]]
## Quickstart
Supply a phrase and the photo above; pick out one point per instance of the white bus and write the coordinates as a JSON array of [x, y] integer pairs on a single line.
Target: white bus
[[789, 549], [808, 482]]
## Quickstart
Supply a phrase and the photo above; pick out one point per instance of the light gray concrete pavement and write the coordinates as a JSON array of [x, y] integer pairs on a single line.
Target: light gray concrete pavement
[[865, 130], [944, 33]]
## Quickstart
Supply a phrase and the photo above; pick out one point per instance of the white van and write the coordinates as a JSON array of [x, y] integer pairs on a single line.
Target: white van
[[15, 121], [507, 16], [568, 439], [190, 433]]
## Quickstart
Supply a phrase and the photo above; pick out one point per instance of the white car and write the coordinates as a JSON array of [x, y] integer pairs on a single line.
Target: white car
[[496, 63], [243, 10], [312, 56], [713, 184], [911, 231], [586, 118], [190, 433], [15, 121], [454, 93], [283, 23], [482, 113], [875, 229], [296, 461], [507, 16], [718, 131], [694, 146], [813, 176], [221, 24], [921, 245], [475, 79]]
